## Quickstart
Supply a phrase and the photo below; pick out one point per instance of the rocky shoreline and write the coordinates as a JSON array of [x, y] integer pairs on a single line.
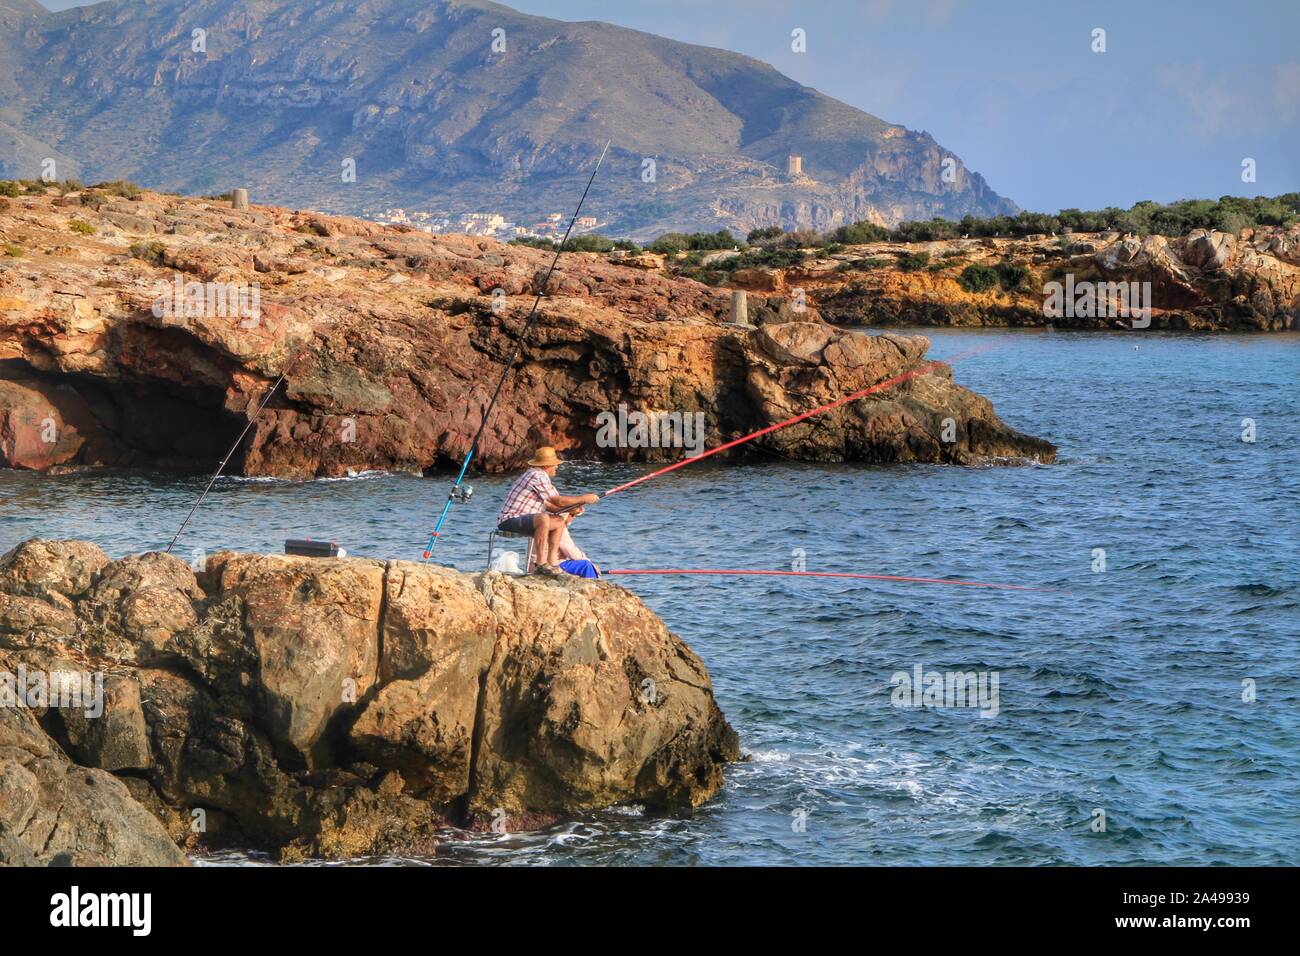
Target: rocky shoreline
[[1202, 282], [125, 341], [328, 707]]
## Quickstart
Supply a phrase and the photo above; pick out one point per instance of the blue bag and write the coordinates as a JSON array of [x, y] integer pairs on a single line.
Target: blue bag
[[582, 569]]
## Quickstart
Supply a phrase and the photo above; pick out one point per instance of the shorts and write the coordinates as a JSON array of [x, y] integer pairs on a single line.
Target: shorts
[[519, 524]]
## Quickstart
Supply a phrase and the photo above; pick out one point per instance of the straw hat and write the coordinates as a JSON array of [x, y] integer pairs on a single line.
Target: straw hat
[[544, 457]]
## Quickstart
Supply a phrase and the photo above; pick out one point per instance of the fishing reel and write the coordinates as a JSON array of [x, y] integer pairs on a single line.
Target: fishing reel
[[461, 494]]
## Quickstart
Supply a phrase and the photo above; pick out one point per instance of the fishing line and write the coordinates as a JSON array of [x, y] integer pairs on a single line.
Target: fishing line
[[252, 420], [836, 574], [456, 493]]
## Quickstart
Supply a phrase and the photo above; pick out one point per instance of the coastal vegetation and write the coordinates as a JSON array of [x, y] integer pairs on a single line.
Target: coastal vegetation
[[1228, 214], [771, 247], [1008, 275]]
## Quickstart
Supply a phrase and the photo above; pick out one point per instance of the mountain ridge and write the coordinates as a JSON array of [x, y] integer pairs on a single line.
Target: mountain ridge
[[281, 94]]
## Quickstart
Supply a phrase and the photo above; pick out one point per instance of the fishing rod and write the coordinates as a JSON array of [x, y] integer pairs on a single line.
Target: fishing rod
[[462, 495], [794, 420], [252, 420], [836, 574]]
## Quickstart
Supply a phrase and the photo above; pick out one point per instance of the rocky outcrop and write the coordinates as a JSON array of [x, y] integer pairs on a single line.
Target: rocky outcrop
[[339, 707], [142, 345], [1205, 281], [54, 812]]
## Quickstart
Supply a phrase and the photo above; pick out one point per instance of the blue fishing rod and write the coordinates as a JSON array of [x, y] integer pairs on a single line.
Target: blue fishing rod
[[462, 494]]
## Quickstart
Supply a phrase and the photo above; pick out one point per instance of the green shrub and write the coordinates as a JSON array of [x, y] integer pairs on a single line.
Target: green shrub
[[978, 278], [767, 232], [85, 228], [752, 258], [671, 243], [913, 261], [1011, 275], [13, 250], [925, 231], [10, 188], [858, 233], [668, 245], [120, 187], [860, 265], [590, 242], [151, 252]]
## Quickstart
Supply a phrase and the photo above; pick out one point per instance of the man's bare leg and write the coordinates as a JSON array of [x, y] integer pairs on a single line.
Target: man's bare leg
[[541, 535], [553, 540]]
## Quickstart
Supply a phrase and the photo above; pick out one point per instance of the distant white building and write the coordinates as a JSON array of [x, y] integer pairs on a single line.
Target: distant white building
[[482, 222]]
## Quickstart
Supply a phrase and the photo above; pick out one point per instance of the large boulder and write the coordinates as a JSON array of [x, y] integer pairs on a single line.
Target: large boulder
[[54, 812], [591, 701], [337, 707], [118, 737], [438, 638], [137, 604], [1208, 250], [44, 569], [314, 629]]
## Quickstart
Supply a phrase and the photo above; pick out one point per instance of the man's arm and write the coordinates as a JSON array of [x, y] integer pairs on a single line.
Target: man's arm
[[561, 502]]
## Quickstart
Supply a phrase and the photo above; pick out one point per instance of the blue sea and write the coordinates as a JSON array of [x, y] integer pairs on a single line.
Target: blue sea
[[1148, 708]]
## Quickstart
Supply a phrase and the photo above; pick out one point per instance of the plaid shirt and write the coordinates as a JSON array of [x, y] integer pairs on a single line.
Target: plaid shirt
[[527, 496]]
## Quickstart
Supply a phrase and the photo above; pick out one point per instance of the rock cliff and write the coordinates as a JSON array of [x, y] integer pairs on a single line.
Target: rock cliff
[[145, 330], [332, 707], [1204, 282]]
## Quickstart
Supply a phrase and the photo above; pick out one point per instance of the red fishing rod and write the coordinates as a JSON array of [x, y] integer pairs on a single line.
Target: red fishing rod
[[803, 416], [794, 420]]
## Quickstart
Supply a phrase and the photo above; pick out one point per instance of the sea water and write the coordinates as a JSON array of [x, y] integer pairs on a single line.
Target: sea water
[[1148, 710]]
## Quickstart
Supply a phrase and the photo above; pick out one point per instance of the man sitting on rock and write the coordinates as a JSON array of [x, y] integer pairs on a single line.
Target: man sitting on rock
[[531, 506]]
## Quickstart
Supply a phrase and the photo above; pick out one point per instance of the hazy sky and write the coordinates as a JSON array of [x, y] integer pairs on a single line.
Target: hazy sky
[[1184, 92]]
